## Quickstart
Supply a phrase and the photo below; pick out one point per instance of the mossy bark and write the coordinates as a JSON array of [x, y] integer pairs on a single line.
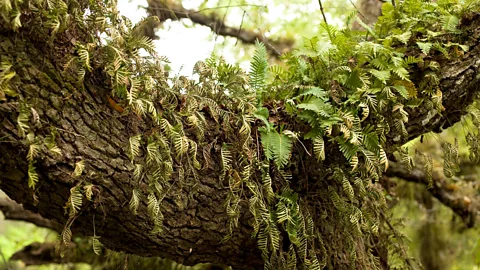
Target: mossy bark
[[89, 129], [195, 219]]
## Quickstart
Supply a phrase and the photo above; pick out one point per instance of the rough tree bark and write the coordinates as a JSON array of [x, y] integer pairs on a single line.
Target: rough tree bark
[[195, 219]]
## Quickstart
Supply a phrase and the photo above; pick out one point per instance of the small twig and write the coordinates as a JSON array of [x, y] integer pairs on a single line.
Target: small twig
[[323, 13], [358, 11], [240, 28], [393, 3]]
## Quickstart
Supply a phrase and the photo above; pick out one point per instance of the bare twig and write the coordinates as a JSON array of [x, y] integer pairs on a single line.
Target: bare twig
[[323, 13]]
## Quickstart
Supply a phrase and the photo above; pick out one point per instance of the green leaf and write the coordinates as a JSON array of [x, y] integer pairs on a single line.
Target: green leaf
[[425, 46], [277, 146], [258, 70], [382, 75], [263, 114], [315, 91]]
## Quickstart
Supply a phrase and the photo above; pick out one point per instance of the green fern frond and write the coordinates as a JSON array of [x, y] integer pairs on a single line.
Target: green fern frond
[[74, 202], [406, 159], [97, 245], [193, 154], [450, 23], [134, 201], [153, 153], [51, 144], [138, 172], [79, 167], [258, 70], [226, 157], [277, 147], [348, 189], [23, 121], [319, 147], [152, 206], [66, 236], [33, 151], [32, 175], [88, 189], [383, 159], [267, 185], [134, 143]]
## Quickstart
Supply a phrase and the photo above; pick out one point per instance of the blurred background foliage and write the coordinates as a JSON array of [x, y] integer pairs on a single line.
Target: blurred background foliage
[[438, 238]]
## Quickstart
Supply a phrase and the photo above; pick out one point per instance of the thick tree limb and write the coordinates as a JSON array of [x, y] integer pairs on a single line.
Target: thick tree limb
[[462, 206], [195, 219], [14, 211], [165, 10]]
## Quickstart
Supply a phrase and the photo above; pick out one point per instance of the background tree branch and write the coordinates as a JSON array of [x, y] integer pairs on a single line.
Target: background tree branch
[[44, 253], [462, 206], [14, 211], [166, 10]]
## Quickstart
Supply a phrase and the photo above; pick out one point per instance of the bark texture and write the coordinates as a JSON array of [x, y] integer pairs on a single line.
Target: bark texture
[[195, 218]]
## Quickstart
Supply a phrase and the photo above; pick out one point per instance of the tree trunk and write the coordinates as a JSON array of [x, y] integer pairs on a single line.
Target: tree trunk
[[195, 219]]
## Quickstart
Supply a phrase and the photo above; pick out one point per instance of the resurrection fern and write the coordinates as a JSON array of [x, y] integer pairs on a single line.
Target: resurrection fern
[[134, 201], [79, 167], [341, 96]]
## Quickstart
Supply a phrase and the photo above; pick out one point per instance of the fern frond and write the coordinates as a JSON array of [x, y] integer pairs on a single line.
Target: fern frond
[[226, 157], [258, 69], [348, 189], [193, 154], [79, 167], [152, 206], [32, 175], [153, 153], [134, 201], [134, 143], [66, 236], [23, 121], [97, 245], [33, 151], [319, 147], [277, 147], [75, 201], [88, 189]]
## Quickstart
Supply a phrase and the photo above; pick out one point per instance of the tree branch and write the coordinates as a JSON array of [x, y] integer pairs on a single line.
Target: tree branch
[[166, 10], [195, 219], [14, 211], [460, 205], [44, 253]]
